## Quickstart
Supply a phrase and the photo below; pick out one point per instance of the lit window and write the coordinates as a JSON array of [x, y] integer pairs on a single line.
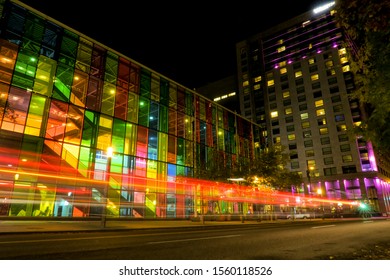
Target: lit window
[[320, 112], [298, 74], [280, 41], [319, 103], [314, 77], [342, 51], [281, 49], [347, 158], [323, 131], [304, 116], [343, 60], [257, 79], [245, 83], [282, 63], [277, 140], [341, 127], [291, 136], [312, 61], [346, 68], [329, 64], [283, 70], [270, 83], [274, 114], [256, 87], [286, 94], [321, 121], [305, 124], [288, 111]]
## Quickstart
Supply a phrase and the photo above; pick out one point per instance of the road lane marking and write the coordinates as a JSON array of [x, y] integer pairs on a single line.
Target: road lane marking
[[194, 239], [324, 226]]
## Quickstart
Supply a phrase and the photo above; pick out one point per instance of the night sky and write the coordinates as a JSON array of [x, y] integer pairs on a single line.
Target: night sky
[[192, 43]]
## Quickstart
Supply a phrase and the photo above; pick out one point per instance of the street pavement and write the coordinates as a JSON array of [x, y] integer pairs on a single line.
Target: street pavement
[[8, 226]]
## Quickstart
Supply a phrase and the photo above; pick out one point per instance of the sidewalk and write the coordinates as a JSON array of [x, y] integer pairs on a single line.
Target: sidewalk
[[25, 226]]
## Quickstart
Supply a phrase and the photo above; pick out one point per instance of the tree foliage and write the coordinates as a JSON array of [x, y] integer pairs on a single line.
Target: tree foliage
[[270, 168], [366, 24]]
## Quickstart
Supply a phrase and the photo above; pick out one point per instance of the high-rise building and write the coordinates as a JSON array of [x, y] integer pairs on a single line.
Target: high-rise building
[[84, 128], [294, 80]]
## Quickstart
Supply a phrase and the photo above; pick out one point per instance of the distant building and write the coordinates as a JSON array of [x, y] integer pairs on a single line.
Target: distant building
[[294, 80], [223, 92]]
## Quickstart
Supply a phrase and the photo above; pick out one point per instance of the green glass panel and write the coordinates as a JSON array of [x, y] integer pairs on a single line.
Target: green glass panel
[[25, 68], [69, 46], [117, 163], [111, 69], [89, 129], [62, 83], [43, 82], [85, 161], [145, 86], [132, 108], [143, 112], [35, 115], [118, 135], [189, 103], [131, 139], [180, 151], [164, 92], [163, 119], [109, 98], [162, 147]]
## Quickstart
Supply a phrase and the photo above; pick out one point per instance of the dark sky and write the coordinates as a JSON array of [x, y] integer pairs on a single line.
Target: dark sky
[[190, 42]]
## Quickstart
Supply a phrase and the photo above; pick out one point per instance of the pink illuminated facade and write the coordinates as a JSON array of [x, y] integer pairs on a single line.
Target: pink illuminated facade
[[294, 80]]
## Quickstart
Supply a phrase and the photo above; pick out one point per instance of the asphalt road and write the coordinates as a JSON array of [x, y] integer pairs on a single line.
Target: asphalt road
[[280, 241]]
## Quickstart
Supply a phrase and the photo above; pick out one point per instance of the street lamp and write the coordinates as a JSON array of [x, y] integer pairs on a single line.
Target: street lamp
[[105, 191]]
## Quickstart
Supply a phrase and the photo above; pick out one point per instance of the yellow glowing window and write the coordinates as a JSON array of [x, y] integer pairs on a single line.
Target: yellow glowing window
[[274, 114], [319, 103], [310, 46], [342, 51], [282, 63], [245, 83], [346, 68], [288, 111], [281, 49], [298, 74], [256, 87], [320, 112], [277, 140], [332, 72], [304, 116], [291, 136], [280, 41], [347, 158], [314, 77], [323, 130], [329, 63], [286, 94], [270, 83], [312, 61], [283, 70], [343, 60], [257, 79], [305, 124]]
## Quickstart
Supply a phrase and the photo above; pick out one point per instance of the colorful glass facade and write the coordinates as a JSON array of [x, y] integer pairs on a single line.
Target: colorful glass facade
[[65, 99]]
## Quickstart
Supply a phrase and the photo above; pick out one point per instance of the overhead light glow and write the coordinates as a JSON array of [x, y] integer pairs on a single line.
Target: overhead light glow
[[323, 7]]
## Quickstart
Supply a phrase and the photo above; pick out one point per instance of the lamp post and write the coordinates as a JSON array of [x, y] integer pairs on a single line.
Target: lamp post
[[106, 186]]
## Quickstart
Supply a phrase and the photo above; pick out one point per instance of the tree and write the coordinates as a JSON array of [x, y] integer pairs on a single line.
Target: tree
[[366, 25], [270, 168]]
